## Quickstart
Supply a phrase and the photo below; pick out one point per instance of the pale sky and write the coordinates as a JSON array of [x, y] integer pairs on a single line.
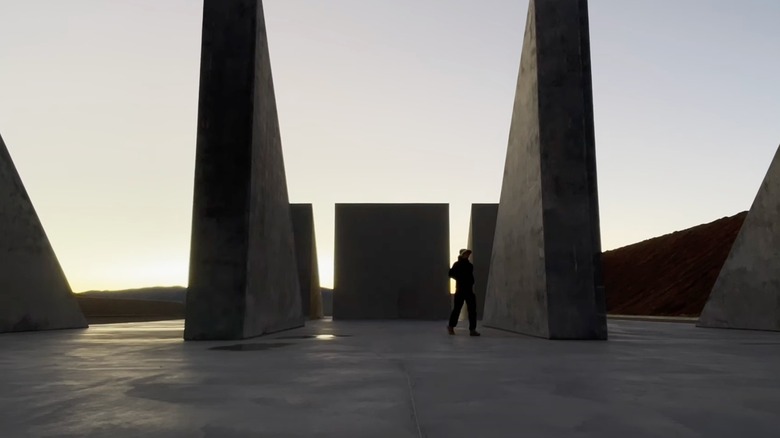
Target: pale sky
[[379, 101]]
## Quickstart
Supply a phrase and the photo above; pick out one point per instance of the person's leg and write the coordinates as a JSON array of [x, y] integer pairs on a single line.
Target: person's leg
[[457, 306], [471, 307]]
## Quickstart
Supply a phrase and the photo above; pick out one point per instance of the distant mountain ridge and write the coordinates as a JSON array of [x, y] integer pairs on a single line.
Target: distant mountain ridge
[[177, 294]]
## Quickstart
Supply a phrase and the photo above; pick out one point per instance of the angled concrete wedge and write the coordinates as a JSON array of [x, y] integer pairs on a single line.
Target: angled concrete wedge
[[34, 293], [545, 272], [243, 272], [746, 294]]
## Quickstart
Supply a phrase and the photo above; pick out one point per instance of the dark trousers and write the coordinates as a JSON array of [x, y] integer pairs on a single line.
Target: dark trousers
[[471, 307]]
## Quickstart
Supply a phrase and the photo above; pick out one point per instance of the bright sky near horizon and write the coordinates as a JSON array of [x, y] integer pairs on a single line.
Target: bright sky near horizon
[[379, 101]]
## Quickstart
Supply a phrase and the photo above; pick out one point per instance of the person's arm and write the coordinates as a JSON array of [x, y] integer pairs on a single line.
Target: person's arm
[[454, 271]]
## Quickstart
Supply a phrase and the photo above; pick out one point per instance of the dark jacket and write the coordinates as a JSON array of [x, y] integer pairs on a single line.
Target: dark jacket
[[463, 274]]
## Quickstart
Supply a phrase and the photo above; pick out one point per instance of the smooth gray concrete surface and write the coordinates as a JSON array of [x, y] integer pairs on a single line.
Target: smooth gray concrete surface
[[34, 293], [306, 254], [482, 228], [545, 273], [391, 261], [746, 294], [327, 302], [391, 379], [243, 272]]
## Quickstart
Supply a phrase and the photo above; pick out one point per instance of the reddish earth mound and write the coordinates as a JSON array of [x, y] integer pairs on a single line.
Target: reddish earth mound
[[670, 275]]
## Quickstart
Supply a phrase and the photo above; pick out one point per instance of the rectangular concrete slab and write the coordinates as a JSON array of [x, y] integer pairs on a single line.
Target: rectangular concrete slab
[[34, 293], [243, 272], [306, 254], [391, 261], [545, 272], [746, 294]]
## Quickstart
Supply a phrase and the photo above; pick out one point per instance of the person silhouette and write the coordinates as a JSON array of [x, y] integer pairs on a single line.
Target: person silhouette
[[462, 272]]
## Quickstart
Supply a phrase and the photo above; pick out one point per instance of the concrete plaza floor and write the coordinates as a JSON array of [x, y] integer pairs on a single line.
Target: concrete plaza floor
[[390, 379]]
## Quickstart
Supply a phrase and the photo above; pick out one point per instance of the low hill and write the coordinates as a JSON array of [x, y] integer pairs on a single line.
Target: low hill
[[148, 304], [114, 310], [670, 275]]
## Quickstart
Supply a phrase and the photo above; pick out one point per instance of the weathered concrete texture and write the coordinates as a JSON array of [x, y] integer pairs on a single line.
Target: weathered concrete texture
[[746, 294], [306, 254], [243, 271], [34, 293], [545, 273], [391, 261], [482, 228]]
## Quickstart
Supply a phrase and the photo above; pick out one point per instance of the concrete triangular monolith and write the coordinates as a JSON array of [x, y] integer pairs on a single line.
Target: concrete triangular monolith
[[482, 228], [34, 293], [545, 271], [306, 254], [243, 270], [746, 294]]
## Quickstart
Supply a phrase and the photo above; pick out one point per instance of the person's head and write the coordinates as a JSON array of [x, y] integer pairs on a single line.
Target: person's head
[[464, 253]]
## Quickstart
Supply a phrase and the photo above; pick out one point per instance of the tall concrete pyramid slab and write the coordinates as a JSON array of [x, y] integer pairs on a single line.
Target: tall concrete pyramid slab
[[545, 272], [34, 293], [482, 228], [746, 294], [306, 254], [243, 272]]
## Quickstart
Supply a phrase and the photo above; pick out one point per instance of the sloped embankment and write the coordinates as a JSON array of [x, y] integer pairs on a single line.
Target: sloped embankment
[[670, 275]]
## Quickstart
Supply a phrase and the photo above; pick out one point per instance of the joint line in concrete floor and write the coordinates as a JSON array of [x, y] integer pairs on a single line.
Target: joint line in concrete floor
[[410, 386], [411, 398]]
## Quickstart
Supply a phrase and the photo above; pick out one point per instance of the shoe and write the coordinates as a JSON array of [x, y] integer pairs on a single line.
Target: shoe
[[474, 333], [450, 330]]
